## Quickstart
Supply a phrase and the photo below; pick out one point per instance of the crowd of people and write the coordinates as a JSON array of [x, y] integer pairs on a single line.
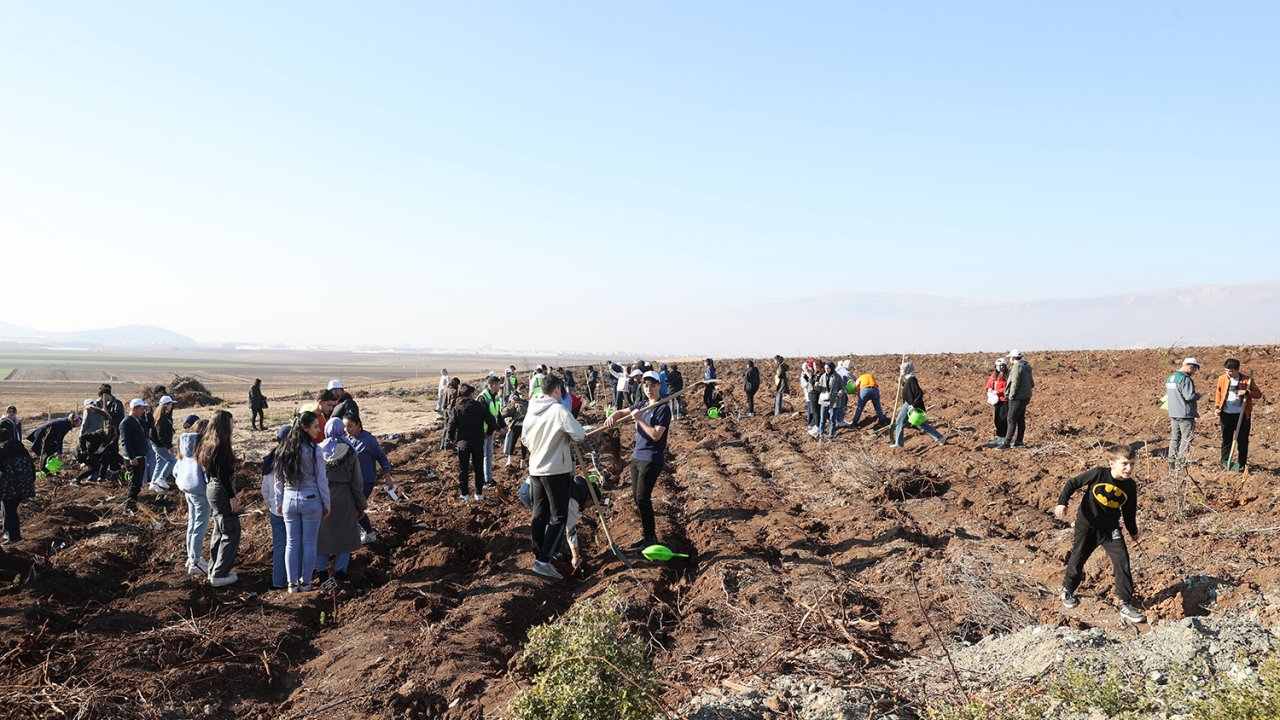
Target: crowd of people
[[325, 465]]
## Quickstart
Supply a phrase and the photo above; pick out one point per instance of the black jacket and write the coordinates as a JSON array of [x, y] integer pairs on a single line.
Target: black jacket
[[467, 424], [751, 381], [1106, 500], [162, 433], [912, 394], [133, 438], [675, 381], [257, 401], [48, 437], [346, 407]]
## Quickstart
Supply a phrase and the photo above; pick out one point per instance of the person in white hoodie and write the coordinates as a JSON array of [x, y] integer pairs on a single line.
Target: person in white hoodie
[[191, 481], [549, 431]]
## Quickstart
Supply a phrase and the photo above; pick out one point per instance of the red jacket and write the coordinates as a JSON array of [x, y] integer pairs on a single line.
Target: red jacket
[[997, 383]]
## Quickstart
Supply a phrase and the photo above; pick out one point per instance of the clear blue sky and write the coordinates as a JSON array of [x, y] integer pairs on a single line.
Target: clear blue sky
[[423, 170]]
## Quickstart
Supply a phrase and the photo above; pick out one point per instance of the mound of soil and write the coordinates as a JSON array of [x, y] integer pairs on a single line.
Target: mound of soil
[[190, 392], [818, 568]]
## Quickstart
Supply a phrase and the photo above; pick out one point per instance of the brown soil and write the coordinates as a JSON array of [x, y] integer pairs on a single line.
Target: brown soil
[[797, 545]]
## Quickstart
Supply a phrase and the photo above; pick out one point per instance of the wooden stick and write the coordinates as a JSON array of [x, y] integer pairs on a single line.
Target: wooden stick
[[660, 401]]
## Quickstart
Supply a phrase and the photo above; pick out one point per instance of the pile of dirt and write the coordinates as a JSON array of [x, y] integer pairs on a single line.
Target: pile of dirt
[[815, 568], [189, 392]]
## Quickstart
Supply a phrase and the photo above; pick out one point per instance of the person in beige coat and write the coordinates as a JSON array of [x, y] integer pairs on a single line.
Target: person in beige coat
[[340, 531]]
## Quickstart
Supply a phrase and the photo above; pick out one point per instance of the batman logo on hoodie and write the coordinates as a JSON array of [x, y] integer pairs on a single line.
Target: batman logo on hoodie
[[1109, 495]]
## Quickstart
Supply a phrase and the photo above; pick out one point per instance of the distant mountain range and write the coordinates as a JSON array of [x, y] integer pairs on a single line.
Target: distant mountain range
[[125, 335], [887, 323]]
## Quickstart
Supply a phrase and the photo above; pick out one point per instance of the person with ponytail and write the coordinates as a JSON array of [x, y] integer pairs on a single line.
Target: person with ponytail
[[191, 481], [302, 497], [214, 456]]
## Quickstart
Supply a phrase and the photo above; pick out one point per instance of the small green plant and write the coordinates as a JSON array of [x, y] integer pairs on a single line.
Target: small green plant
[[589, 668], [1245, 700]]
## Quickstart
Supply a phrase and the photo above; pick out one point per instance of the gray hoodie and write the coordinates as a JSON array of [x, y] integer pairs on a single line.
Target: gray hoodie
[[548, 430]]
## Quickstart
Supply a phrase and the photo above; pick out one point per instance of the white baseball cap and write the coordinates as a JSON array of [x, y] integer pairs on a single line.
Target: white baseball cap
[[1191, 361], [651, 375], [636, 373], [1015, 353], [335, 385], [89, 401], [137, 402], [166, 400]]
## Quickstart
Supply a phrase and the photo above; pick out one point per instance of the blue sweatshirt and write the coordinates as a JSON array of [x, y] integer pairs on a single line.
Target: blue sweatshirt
[[369, 453]]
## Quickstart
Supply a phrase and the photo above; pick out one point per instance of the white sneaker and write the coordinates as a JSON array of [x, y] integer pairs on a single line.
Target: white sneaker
[[223, 581], [368, 537], [199, 567], [464, 497], [161, 483], [478, 497], [155, 488], [547, 570]]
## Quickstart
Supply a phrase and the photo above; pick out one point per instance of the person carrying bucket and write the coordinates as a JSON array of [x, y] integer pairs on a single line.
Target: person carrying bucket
[[997, 384], [913, 408]]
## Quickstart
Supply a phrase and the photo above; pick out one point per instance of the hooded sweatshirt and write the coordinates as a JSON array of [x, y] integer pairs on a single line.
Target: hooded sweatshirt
[[548, 430], [187, 472]]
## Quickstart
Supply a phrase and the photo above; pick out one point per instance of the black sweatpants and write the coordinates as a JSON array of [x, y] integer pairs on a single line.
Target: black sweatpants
[[708, 395], [1002, 418], [1087, 539], [644, 476], [549, 495], [12, 525], [133, 472], [258, 419], [471, 458], [1229, 422], [1017, 422], [751, 401]]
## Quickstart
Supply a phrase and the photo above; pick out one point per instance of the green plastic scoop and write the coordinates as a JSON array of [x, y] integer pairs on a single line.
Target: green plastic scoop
[[661, 553]]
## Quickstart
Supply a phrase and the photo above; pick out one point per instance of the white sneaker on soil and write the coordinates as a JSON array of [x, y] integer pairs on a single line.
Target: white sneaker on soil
[[161, 483], [464, 497], [368, 537], [1069, 600], [223, 581], [478, 497], [198, 567], [546, 570]]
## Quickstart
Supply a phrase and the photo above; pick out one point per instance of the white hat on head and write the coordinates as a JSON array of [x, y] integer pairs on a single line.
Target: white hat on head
[[1015, 353], [137, 402], [335, 385], [89, 401], [1191, 361], [166, 400], [636, 372], [651, 375], [1001, 361]]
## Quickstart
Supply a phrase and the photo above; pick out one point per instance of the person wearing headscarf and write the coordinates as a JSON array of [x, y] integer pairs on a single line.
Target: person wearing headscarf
[[17, 480], [340, 531], [912, 400]]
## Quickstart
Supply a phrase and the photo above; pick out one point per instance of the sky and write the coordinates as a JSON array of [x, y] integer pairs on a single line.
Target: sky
[[597, 176]]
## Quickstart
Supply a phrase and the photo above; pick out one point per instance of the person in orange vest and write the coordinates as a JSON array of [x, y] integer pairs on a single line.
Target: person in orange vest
[[1234, 398], [868, 391]]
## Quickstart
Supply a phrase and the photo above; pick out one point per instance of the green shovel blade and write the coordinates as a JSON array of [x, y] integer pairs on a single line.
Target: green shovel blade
[[661, 553]]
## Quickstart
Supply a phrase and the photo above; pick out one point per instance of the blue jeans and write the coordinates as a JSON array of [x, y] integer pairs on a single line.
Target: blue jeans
[[278, 540], [869, 394], [151, 463], [162, 463], [197, 524], [900, 426], [302, 513], [777, 403], [827, 417]]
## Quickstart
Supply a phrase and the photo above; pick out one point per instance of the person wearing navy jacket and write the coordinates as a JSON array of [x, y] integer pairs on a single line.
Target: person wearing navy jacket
[[136, 446], [370, 454]]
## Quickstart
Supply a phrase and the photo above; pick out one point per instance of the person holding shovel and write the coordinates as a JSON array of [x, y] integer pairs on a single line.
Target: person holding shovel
[[549, 430], [1233, 397], [912, 401], [649, 455], [1110, 496]]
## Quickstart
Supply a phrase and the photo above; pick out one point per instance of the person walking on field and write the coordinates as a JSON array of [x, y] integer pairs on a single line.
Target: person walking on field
[[1233, 397], [133, 437], [492, 401], [1110, 496], [466, 431], [751, 384], [912, 401], [997, 398], [257, 406], [1018, 390], [1180, 390], [450, 400], [650, 453], [216, 459], [549, 430]]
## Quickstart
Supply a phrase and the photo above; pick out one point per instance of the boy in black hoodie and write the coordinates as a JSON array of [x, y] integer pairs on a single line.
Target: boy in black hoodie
[[1111, 495]]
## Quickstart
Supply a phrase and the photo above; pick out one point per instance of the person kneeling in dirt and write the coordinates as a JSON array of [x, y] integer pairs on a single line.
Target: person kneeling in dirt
[[548, 431], [649, 454], [97, 453], [1110, 495]]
